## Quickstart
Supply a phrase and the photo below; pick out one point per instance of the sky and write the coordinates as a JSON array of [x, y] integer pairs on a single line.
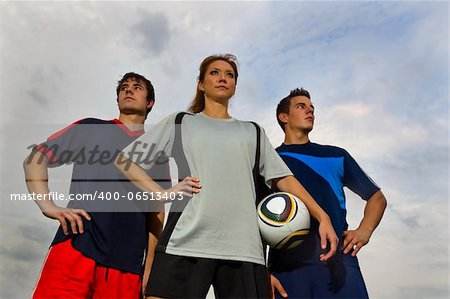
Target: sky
[[378, 74]]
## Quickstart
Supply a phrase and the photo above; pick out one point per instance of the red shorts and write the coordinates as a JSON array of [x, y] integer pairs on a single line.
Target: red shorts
[[69, 274]]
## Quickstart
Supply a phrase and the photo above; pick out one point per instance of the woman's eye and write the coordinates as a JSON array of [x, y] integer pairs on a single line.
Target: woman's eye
[[230, 75]]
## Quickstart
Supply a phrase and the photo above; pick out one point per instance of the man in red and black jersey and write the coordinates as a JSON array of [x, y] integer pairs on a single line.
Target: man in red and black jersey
[[100, 246]]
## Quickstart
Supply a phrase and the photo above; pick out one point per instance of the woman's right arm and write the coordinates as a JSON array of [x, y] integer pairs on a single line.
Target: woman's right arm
[[140, 179]]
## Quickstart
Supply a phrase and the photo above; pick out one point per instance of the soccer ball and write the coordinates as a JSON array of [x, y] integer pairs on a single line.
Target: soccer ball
[[283, 220]]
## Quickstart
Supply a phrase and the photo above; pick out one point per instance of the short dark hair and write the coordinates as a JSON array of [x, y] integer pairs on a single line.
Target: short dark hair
[[140, 79], [285, 103]]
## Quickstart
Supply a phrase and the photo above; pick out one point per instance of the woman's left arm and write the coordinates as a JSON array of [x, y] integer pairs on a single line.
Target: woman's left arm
[[327, 234]]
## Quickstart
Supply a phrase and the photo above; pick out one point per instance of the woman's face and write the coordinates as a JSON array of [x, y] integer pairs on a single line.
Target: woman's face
[[219, 82]]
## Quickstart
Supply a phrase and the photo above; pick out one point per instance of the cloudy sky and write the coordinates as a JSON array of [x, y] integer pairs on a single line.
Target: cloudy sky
[[377, 72]]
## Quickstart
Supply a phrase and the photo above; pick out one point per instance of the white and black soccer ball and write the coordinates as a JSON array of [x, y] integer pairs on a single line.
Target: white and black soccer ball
[[283, 220]]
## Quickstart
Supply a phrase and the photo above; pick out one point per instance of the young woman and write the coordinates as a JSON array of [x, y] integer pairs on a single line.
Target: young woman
[[213, 237]]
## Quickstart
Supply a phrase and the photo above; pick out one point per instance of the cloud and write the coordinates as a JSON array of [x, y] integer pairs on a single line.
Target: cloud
[[151, 32], [22, 251], [423, 291], [377, 72]]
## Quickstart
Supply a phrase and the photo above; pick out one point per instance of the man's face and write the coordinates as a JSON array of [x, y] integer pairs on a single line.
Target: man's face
[[301, 114], [132, 98]]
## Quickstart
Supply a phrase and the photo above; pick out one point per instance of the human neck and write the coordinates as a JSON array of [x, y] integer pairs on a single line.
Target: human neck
[[133, 122], [216, 109], [295, 137]]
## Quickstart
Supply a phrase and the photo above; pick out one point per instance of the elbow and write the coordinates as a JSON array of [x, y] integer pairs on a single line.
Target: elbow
[[283, 183], [26, 162], [117, 161], [381, 199], [384, 201], [121, 163]]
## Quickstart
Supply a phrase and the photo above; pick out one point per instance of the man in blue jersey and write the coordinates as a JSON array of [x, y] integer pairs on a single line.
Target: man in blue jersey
[[324, 171], [100, 246]]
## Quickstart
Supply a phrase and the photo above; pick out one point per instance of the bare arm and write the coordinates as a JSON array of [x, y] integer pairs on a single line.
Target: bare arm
[[36, 177], [140, 179], [373, 212], [155, 226], [327, 234]]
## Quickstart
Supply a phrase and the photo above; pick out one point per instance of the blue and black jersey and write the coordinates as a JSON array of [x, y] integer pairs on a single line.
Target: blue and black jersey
[[324, 171], [116, 236]]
